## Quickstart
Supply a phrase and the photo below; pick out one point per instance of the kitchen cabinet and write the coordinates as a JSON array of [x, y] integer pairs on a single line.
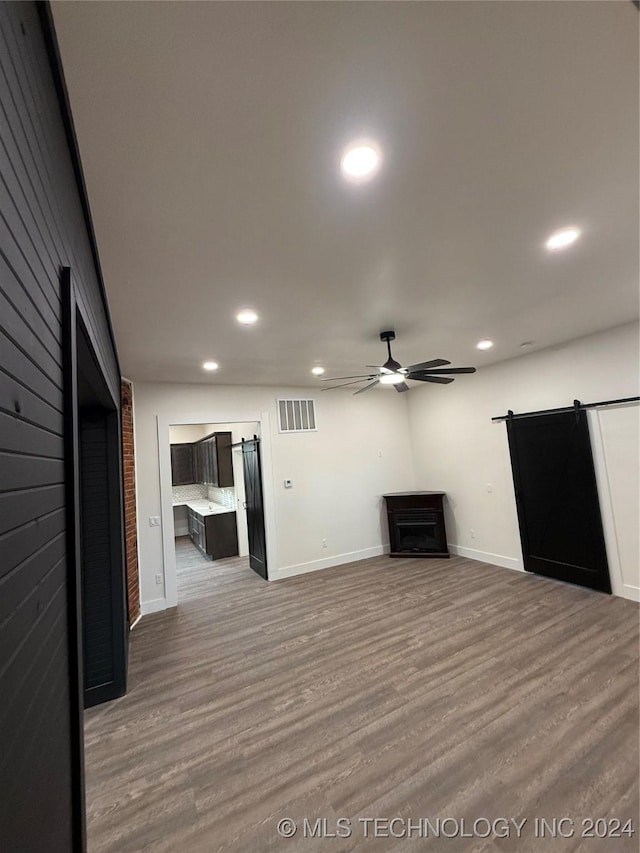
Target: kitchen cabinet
[[182, 465], [213, 461], [215, 535], [197, 530]]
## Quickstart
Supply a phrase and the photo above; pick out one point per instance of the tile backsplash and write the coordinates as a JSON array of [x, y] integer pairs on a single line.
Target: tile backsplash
[[226, 497], [200, 492], [193, 492]]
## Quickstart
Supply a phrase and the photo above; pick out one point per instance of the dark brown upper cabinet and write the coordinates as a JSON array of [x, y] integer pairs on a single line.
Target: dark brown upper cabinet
[[182, 465], [212, 460]]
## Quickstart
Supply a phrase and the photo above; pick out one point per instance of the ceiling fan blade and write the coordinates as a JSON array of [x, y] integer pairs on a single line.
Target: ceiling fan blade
[[425, 377], [366, 387], [425, 365], [360, 376], [401, 386], [448, 370], [342, 385]]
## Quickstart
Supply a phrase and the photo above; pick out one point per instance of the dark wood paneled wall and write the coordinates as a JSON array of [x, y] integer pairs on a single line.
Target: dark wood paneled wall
[[43, 227]]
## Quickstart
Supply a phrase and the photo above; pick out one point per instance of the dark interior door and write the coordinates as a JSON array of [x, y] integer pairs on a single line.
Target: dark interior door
[[557, 498], [255, 510]]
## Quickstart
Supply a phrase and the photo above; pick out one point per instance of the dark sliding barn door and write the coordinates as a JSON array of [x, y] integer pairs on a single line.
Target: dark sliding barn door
[[557, 498], [255, 509]]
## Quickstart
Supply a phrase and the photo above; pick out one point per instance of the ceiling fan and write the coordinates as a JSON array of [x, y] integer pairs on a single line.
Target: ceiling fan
[[393, 373]]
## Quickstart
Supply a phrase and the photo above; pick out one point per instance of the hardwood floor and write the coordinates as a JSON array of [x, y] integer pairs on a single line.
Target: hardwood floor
[[387, 688]]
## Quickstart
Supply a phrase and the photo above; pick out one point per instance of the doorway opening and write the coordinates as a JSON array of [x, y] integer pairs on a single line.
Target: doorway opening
[[95, 520], [104, 604], [212, 538]]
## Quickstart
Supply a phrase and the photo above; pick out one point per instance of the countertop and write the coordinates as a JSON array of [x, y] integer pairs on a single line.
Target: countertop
[[204, 508]]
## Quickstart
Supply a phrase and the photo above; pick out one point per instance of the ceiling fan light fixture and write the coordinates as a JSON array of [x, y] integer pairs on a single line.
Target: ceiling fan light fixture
[[393, 373], [392, 378]]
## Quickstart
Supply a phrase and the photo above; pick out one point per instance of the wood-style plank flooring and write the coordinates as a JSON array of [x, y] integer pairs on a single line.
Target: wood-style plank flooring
[[386, 688]]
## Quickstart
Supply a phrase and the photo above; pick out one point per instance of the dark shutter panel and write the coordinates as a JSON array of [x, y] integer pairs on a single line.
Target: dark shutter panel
[[96, 571]]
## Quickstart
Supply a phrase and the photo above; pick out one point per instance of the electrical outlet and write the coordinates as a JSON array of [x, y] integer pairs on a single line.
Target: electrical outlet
[[324, 543], [154, 521], [158, 579], [489, 487], [473, 534]]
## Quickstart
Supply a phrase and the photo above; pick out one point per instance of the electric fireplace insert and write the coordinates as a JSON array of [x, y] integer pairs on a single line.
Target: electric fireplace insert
[[416, 524]]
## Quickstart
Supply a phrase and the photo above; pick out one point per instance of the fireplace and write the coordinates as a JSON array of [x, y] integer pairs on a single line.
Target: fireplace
[[417, 531], [416, 524]]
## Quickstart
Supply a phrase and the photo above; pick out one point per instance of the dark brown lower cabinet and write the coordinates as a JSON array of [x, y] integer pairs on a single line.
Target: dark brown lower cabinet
[[215, 535], [416, 524]]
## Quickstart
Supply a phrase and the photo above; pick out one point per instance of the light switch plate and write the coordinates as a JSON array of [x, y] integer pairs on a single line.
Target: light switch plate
[[154, 521], [288, 484]]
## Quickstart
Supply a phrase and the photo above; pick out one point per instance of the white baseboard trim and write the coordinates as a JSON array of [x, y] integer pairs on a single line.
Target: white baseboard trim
[[135, 622], [630, 592], [180, 531], [153, 606], [328, 562], [485, 557]]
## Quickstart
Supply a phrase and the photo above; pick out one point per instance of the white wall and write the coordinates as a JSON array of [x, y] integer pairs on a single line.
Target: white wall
[[615, 436], [186, 433], [457, 449], [361, 450]]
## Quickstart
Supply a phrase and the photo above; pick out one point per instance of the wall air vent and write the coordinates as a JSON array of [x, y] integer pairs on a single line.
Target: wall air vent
[[297, 415]]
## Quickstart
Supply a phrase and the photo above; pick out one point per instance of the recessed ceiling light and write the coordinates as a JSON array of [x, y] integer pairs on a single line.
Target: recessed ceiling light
[[210, 365], [360, 162], [486, 344], [562, 239], [392, 378], [247, 317], [317, 371]]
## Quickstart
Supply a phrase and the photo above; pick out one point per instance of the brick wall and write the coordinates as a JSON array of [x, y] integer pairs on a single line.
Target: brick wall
[[133, 584]]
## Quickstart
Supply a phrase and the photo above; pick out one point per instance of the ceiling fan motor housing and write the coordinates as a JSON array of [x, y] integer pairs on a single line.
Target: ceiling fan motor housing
[[390, 364]]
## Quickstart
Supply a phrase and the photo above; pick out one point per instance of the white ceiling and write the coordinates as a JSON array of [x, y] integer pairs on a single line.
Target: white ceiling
[[210, 135]]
